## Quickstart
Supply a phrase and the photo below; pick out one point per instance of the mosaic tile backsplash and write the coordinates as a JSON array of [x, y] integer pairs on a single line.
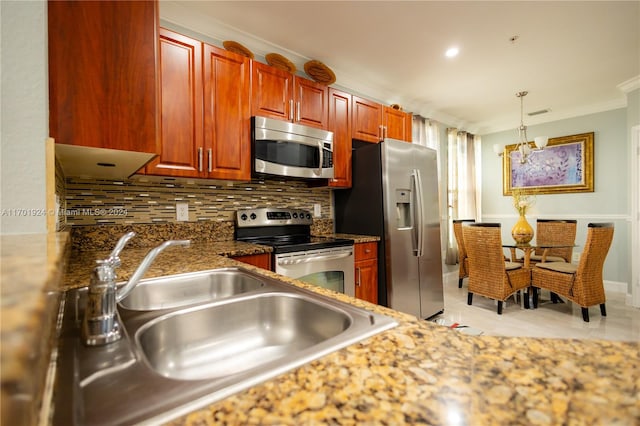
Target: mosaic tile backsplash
[[147, 200]]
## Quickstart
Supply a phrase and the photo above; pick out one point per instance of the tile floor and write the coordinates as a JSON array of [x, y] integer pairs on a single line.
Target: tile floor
[[549, 320]]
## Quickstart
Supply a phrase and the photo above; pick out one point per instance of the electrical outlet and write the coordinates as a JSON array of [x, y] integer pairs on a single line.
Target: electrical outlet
[[317, 211], [182, 212]]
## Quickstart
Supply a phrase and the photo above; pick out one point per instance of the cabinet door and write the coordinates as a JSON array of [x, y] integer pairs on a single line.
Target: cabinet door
[[366, 271], [366, 276], [310, 103], [227, 120], [397, 124], [102, 74], [366, 120], [260, 260], [340, 124], [271, 92], [181, 134]]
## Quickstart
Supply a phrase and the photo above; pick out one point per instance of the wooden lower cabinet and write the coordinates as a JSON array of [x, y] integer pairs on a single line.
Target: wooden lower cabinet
[[366, 271], [260, 260]]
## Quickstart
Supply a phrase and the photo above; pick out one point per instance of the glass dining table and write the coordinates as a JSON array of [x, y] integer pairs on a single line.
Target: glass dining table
[[529, 248]]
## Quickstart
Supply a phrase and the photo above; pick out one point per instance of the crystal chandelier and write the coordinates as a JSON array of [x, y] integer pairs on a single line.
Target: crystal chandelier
[[523, 146]]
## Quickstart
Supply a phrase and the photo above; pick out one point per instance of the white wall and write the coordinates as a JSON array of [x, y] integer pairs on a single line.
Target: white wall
[[24, 116], [608, 202]]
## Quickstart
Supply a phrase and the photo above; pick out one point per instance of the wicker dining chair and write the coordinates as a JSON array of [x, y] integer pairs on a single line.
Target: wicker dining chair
[[489, 274], [463, 271], [555, 231], [581, 283]]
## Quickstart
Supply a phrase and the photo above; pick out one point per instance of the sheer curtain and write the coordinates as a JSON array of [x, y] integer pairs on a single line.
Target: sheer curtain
[[463, 189], [427, 132]]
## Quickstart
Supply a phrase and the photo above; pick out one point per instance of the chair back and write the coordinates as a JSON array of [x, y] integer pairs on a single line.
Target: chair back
[[457, 231], [483, 242], [556, 231], [589, 285]]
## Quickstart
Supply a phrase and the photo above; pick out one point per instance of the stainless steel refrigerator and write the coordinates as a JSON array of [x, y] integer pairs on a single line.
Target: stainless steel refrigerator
[[394, 195]]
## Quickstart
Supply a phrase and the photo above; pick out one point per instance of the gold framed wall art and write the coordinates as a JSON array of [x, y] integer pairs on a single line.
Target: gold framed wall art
[[565, 165]]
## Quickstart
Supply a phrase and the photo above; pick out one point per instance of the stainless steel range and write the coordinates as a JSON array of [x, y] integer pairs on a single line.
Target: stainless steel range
[[323, 261]]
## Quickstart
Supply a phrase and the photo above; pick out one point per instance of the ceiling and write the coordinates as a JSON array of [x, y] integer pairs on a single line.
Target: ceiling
[[573, 57]]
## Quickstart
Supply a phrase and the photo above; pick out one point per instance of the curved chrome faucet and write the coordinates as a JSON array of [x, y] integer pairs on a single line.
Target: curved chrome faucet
[[100, 325]]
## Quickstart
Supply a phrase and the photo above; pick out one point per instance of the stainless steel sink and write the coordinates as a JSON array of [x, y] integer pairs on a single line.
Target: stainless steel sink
[[188, 289], [225, 339], [172, 361]]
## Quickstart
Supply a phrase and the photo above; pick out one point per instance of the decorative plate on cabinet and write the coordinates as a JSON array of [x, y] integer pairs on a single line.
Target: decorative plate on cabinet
[[235, 47], [319, 72], [279, 61]]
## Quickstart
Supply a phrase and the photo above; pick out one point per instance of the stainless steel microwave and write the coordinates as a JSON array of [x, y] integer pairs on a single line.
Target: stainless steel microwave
[[286, 149]]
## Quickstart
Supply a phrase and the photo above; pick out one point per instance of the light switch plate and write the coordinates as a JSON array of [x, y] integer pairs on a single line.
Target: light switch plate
[[317, 212], [182, 212]]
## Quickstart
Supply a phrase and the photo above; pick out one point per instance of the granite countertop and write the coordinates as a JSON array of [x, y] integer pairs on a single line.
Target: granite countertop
[[418, 372], [173, 260], [358, 238], [32, 267]]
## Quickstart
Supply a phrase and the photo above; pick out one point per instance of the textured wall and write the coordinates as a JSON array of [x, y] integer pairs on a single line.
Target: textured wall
[[25, 113]]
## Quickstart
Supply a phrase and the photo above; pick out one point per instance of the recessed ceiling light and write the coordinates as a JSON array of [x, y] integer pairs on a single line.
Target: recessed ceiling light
[[452, 52]]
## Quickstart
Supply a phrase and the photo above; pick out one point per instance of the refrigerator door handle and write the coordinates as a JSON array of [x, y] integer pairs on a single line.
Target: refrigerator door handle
[[418, 212]]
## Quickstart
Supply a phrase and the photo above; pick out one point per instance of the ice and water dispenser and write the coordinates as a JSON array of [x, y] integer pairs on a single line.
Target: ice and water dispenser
[[403, 209]]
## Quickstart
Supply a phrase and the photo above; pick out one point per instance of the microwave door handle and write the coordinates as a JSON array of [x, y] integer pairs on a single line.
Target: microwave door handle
[[321, 152]]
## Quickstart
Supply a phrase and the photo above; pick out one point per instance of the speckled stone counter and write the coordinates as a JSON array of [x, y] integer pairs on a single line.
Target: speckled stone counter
[[423, 373], [173, 260], [358, 238], [416, 373], [32, 266]]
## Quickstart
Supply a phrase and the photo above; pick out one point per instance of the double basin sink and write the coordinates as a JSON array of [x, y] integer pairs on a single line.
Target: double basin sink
[[193, 339]]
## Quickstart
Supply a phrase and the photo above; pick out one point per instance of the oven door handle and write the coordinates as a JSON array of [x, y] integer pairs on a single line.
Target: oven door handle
[[311, 259]]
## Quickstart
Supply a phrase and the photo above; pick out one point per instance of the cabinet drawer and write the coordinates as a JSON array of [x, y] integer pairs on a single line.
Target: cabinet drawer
[[366, 251]]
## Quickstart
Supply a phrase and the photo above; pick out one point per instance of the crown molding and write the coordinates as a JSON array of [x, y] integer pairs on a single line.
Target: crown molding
[[630, 85]]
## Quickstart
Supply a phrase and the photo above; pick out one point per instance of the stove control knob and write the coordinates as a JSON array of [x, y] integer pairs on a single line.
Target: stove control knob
[[243, 216], [295, 215], [253, 216], [308, 216]]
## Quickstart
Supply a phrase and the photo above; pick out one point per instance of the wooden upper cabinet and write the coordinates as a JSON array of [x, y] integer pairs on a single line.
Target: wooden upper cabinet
[[366, 120], [271, 92], [102, 74], [340, 124], [373, 122], [310, 103], [206, 121], [279, 94], [397, 124], [227, 116], [181, 95]]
